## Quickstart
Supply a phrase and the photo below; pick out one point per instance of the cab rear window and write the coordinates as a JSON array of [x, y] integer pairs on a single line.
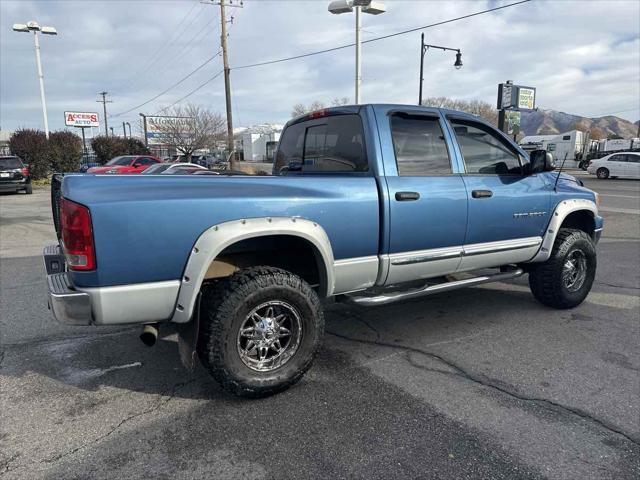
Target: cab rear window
[[332, 144]]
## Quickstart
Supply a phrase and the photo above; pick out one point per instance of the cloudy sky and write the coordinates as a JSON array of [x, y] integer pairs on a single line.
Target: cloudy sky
[[583, 56]]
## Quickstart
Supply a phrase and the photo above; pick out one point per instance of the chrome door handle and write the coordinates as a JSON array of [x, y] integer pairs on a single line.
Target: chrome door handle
[[481, 193], [407, 196]]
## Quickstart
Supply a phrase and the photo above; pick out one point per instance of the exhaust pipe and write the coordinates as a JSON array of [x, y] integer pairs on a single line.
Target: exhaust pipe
[[149, 334]]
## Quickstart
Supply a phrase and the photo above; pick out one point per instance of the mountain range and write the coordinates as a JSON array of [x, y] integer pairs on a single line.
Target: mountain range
[[548, 122]]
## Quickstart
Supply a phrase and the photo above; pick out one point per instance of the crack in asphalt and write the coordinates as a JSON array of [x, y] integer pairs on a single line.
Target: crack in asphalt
[[158, 405], [618, 286], [487, 381]]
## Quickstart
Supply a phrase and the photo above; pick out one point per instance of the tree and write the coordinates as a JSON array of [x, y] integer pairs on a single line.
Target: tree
[[474, 107], [190, 128], [32, 147], [106, 148], [302, 109], [65, 151]]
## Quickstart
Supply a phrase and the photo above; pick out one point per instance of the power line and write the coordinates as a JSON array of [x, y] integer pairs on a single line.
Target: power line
[[161, 49], [170, 88], [403, 32], [191, 92], [333, 49]]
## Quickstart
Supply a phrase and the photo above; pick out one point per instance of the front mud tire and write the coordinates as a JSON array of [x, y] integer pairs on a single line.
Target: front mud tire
[[226, 312], [556, 282]]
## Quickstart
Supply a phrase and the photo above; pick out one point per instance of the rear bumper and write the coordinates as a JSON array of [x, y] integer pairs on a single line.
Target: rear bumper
[[13, 184], [69, 306], [114, 305]]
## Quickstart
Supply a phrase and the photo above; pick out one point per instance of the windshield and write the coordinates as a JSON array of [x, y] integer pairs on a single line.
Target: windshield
[[126, 160], [10, 163], [159, 168]]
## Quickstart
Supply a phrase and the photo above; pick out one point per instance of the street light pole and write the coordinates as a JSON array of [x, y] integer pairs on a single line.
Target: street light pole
[[41, 79], [360, 6], [358, 56], [423, 50], [35, 28]]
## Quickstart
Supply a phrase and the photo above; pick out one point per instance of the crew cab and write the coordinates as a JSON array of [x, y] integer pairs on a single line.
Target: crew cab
[[126, 164], [368, 204]]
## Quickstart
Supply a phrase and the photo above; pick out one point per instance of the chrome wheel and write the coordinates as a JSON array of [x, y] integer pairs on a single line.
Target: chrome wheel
[[574, 270], [269, 336]]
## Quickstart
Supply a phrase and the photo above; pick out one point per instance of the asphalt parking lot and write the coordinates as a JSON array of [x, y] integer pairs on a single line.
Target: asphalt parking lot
[[477, 383]]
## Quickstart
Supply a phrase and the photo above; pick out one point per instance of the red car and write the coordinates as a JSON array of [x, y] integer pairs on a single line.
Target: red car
[[126, 164]]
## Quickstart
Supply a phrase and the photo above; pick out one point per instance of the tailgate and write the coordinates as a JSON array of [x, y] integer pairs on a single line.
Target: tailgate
[[56, 194]]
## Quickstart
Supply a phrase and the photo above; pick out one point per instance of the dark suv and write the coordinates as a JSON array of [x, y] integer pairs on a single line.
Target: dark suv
[[14, 175]]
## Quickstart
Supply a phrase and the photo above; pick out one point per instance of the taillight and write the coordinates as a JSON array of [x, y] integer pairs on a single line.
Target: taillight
[[77, 235], [25, 172]]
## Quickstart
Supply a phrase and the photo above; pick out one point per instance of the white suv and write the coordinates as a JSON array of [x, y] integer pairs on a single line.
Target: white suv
[[625, 164]]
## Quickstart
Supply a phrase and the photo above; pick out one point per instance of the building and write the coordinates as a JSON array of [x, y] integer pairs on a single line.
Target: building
[[570, 147], [5, 135], [258, 143]]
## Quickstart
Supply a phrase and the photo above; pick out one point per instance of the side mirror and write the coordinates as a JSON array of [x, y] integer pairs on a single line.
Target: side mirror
[[541, 161], [136, 164]]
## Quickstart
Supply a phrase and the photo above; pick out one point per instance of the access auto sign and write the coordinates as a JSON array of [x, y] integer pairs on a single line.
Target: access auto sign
[[81, 119]]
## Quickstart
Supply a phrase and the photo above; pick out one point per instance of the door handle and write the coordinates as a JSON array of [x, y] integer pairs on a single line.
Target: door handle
[[407, 196], [481, 193]]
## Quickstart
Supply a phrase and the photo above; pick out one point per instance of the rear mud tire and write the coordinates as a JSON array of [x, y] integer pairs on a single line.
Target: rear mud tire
[[224, 311]]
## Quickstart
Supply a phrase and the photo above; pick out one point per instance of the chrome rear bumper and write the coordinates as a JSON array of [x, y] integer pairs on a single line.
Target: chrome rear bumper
[[68, 306]]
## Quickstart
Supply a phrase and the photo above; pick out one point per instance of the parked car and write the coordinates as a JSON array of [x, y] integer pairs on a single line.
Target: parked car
[[126, 164], [370, 205], [14, 175], [624, 164], [172, 169]]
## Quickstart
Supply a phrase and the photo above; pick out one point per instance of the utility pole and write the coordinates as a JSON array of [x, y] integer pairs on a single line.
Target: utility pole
[[227, 80], [227, 85], [104, 102]]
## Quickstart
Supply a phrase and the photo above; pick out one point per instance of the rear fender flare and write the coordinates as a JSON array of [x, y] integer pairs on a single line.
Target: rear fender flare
[[218, 237]]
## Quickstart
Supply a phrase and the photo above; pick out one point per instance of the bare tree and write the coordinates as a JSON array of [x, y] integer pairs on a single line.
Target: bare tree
[[475, 107], [189, 128], [302, 109]]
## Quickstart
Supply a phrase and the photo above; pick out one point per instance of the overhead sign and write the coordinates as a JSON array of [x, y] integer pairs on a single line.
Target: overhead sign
[[516, 97], [526, 98], [81, 119], [161, 129]]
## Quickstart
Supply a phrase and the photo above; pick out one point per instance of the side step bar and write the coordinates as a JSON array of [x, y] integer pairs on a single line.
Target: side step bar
[[392, 297]]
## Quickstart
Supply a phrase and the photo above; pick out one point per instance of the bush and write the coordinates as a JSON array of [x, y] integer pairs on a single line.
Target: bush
[[32, 147], [106, 148], [65, 151], [136, 147]]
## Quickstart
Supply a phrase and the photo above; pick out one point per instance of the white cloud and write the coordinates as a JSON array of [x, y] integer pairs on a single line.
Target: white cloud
[[583, 57]]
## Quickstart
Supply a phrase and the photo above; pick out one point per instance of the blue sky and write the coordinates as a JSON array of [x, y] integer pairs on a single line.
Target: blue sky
[[583, 56]]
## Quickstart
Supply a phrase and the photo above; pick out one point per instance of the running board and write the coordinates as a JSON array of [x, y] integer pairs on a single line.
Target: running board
[[392, 297]]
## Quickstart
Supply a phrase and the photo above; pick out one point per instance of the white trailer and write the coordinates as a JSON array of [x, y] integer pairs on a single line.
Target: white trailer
[[569, 145]]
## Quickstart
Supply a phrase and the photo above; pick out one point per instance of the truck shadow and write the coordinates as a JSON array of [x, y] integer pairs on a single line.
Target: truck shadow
[[117, 359]]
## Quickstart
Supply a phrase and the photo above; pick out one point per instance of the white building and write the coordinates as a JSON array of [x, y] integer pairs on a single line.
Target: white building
[[259, 141], [568, 144]]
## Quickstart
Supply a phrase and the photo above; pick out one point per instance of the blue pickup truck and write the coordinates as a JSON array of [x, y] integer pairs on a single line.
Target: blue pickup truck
[[368, 204]]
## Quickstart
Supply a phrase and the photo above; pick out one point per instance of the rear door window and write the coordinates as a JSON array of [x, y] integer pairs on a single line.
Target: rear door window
[[325, 145], [419, 145]]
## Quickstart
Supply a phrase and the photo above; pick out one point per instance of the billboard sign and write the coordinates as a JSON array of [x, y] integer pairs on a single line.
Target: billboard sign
[[516, 97], [526, 98], [81, 119], [160, 128]]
